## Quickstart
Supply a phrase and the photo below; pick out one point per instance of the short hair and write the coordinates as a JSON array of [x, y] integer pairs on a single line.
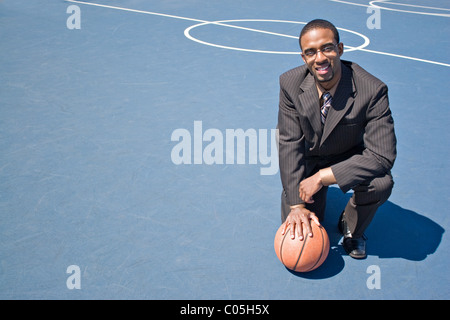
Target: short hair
[[319, 24]]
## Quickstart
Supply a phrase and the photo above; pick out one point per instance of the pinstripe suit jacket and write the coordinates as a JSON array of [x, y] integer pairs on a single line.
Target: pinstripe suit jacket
[[358, 139]]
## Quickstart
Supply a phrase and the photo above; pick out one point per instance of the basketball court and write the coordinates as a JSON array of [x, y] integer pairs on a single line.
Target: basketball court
[[110, 111]]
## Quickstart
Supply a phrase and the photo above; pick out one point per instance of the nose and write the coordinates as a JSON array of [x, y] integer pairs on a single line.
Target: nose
[[320, 56]]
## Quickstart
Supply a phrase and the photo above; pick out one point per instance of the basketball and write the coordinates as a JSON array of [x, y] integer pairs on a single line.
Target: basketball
[[305, 255]]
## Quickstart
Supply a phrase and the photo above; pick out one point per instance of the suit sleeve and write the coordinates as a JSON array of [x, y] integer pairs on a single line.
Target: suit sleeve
[[291, 147], [379, 152]]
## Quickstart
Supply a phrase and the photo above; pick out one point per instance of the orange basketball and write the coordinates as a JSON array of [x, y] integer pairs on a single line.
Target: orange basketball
[[305, 255]]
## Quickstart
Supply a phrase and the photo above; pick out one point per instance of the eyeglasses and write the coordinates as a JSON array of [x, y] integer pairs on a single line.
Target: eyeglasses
[[327, 50]]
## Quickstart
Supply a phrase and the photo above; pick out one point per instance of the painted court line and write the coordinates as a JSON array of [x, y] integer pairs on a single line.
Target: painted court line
[[189, 36], [406, 57], [377, 4], [220, 23], [183, 18], [412, 5], [204, 22]]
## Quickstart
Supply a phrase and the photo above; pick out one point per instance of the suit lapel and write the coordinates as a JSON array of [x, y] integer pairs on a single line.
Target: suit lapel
[[310, 103], [342, 100]]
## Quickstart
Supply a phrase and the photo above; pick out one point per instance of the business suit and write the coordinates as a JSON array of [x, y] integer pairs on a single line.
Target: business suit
[[357, 141]]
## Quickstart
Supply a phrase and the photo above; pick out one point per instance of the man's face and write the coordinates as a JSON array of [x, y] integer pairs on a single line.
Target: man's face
[[322, 55]]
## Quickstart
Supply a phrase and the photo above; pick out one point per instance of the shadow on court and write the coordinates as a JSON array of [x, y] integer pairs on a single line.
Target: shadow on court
[[395, 232]]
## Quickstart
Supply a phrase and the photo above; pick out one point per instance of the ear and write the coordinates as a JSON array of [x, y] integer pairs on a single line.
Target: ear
[[340, 48], [303, 58]]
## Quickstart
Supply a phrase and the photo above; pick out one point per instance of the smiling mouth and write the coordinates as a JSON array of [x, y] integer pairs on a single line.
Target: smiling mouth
[[323, 70]]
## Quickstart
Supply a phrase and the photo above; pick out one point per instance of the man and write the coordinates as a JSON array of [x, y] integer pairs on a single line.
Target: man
[[335, 127]]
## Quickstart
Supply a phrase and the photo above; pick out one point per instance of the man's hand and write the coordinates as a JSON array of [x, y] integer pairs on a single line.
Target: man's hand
[[313, 184], [299, 220], [310, 187]]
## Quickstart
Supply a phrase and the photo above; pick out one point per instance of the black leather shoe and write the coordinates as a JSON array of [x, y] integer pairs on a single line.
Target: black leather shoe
[[355, 247]]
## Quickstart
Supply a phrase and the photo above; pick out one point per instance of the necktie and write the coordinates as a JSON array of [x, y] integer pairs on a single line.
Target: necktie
[[326, 106]]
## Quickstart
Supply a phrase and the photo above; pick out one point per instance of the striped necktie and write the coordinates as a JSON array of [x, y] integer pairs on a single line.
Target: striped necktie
[[326, 106]]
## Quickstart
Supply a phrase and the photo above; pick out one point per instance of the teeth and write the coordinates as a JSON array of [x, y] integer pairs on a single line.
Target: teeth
[[321, 69]]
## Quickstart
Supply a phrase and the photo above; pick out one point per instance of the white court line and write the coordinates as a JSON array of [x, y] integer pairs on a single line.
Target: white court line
[[205, 22], [352, 3], [134, 10], [373, 5], [405, 57], [255, 30], [190, 37], [413, 5], [183, 18]]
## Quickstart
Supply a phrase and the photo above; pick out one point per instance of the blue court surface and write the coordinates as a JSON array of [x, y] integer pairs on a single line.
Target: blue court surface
[[120, 177]]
